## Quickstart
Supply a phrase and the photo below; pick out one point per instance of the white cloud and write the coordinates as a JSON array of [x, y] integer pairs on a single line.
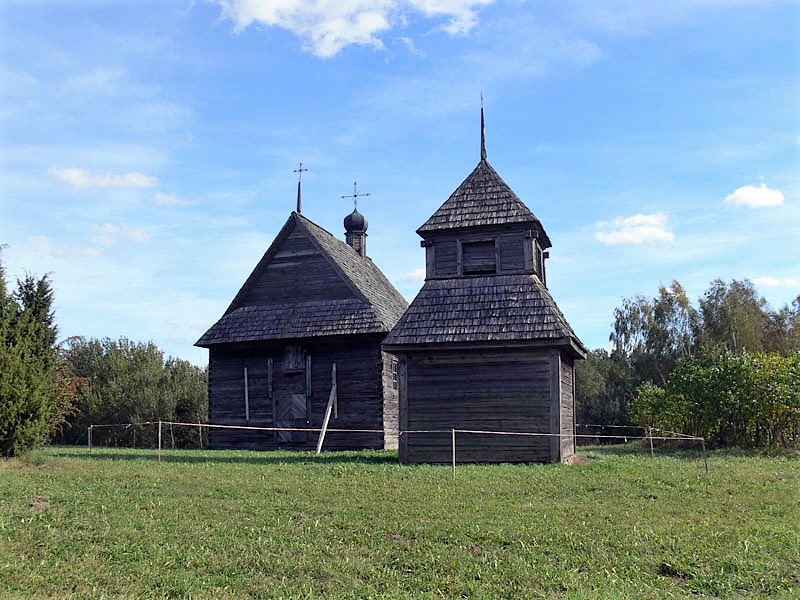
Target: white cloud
[[758, 197], [412, 48], [43, 245], [328, 26], [638, 229], [787, 282], [108, 234], [463, 13], [416, 276], [81, 178], [162, 199]]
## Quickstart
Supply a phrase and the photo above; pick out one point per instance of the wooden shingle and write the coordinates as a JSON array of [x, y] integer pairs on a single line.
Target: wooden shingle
[[482, 199]]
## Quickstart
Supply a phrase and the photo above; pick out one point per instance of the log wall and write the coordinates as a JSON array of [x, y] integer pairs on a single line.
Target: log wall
[[360, 385], [502, 391]]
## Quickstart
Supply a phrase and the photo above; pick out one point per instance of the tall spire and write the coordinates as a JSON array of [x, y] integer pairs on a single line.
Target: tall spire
[[483, 133], [299, 172]]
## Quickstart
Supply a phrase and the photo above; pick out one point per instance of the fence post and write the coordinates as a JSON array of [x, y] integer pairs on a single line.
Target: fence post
[[453, 431], [705, 455], [650, 436], [159, 440], [90, 439]]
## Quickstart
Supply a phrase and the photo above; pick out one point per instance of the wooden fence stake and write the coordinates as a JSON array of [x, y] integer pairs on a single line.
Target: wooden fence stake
[[90, 439], [650, 435], [159, 440], [705, 454], [453, 431]]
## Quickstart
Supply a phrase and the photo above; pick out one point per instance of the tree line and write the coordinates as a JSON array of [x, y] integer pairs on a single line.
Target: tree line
[[727, 370], [55, 391]]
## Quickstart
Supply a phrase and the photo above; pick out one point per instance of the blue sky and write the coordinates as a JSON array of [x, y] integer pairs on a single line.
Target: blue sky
[[148, 146]]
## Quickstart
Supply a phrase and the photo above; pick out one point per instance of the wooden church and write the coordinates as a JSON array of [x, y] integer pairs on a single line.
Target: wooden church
[[483, 346], [311, 302]]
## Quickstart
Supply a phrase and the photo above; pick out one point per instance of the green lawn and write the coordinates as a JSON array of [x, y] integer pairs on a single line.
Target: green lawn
[[204, 524]]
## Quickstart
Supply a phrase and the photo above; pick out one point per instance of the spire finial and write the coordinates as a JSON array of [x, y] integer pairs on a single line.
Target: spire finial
[[299, 172], [483, 133], [356, 195]]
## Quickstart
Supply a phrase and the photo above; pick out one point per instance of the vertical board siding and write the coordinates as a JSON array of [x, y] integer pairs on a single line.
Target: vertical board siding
[[482, 392], [360, 372], [567, 409], [390, 405]]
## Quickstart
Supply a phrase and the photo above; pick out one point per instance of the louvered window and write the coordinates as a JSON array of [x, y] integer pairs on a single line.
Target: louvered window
[[478, 258]]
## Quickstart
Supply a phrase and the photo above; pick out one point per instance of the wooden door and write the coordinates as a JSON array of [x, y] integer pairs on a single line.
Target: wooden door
[[290, 407]]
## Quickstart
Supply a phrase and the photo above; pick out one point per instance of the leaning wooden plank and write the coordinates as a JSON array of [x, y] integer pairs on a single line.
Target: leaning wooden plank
[[328, 409]]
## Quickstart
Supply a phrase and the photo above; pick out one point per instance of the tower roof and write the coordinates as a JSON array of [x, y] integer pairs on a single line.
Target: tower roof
[[497, 310], [482, 199]]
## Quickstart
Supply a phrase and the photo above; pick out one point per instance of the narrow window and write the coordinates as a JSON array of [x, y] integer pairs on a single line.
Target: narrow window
[[395, 381]]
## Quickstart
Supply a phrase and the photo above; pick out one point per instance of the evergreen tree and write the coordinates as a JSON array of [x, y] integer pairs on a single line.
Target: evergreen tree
[[34, 395]]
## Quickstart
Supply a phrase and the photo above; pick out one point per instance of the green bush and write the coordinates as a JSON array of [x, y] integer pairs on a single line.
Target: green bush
[[732, 399], [131, 382]]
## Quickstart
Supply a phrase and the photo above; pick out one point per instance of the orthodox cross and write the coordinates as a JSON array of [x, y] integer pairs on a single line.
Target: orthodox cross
[[356, 195], [299, 172]]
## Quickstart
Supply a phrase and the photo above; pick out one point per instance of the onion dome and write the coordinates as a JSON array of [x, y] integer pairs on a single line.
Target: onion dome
[[355, 222]]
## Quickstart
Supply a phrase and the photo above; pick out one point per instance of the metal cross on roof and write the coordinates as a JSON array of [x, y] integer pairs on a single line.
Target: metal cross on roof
[[299, 172], [356, 195]]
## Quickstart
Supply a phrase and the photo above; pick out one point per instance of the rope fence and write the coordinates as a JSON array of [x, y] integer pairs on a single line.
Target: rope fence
[[647, 434]]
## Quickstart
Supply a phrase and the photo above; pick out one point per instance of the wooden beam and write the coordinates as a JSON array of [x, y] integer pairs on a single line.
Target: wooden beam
[[328, 410]]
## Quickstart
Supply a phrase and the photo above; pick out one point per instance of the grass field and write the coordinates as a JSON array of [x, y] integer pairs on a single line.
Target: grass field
[[203, 524]]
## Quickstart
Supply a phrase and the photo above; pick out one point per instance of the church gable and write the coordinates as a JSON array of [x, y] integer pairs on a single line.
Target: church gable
[[308, 284], [293, 270]]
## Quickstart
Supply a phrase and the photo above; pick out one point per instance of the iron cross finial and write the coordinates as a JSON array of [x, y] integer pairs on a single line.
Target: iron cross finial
[[356, 195], [300, 172]]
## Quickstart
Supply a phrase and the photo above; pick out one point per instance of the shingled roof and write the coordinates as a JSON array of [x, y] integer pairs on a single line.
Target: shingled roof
[[497, 308], [483, 198], [375, 306]]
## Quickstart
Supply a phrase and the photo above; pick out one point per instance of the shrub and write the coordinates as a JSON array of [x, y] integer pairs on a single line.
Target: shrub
[[731, 399]]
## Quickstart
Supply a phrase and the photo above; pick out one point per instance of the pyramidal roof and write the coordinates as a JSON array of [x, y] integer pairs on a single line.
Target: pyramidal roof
[[493, 309], [483, 198], [375, 305]]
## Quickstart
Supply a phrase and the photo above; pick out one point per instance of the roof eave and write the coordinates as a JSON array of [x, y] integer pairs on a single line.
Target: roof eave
[[566, 343]]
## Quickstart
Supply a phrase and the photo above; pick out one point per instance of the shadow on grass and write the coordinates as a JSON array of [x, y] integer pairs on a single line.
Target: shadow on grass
[[685, 449], [642, 449], [225, 457]]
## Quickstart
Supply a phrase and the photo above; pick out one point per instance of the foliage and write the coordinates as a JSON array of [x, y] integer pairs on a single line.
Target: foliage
[[733, 316], [131, 382], [227, 524], [602, 385], [36, 391], [651, 336], [745, 399]]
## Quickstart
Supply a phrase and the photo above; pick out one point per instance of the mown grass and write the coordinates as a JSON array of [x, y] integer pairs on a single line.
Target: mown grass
[[204, 524]]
